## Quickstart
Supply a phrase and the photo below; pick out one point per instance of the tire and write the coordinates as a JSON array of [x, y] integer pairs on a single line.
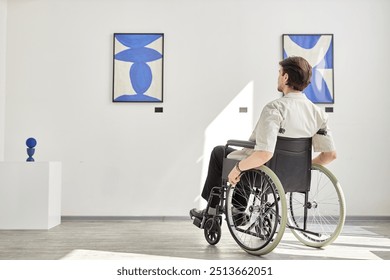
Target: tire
[[212, 231], [256, 211], [325, 209]]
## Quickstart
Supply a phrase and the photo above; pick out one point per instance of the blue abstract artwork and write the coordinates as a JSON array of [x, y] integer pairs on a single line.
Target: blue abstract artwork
[[138, 67], [317, 49]]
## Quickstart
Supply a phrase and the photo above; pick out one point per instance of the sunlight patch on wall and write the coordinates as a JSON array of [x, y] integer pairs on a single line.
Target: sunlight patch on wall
[[232, 123]]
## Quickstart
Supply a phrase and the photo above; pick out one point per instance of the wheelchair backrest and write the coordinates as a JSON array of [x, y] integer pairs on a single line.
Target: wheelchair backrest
[[291, 162]]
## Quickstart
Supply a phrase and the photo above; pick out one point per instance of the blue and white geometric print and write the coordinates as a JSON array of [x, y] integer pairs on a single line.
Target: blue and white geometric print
[[318, 51], [138, 67]]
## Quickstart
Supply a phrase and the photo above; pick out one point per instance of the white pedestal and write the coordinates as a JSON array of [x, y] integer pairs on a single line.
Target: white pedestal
[[30, 195]]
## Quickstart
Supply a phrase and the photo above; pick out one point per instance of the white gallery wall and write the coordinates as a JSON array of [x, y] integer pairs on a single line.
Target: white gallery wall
[[3, 28], [126, 160]]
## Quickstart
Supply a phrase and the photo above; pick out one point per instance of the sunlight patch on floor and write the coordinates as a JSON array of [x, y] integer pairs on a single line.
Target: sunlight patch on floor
[[345, 247], [105, 255]]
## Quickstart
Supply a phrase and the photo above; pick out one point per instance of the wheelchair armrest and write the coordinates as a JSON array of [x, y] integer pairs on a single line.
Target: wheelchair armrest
[[241, 143]]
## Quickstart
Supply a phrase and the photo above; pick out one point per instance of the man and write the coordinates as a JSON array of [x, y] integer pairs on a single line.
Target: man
[[292, 115]]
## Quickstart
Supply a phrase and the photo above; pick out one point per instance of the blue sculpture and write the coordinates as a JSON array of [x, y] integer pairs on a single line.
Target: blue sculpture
[[31, 143]]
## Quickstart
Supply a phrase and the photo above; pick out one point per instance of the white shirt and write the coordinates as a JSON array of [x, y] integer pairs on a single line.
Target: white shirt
[[297, 116]]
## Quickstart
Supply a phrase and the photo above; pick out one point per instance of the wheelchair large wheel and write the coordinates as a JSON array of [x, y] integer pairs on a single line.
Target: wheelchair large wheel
[[325, 208], [256, 211]]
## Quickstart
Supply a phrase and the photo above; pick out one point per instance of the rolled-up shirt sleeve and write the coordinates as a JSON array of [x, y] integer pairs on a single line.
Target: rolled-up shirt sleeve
[[324, 143], [267, 129]]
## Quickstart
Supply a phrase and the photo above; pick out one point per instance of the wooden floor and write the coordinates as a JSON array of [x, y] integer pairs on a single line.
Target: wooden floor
[[180, 239]]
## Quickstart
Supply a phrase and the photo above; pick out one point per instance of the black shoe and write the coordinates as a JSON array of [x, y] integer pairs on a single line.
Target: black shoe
[[197, 213], [240, 218]]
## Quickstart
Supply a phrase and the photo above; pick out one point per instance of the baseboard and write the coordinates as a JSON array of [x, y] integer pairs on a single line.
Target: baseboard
[[123, 218], [182, 218]]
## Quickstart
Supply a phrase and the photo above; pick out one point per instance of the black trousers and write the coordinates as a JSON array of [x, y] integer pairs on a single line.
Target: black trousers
[[214, 175]]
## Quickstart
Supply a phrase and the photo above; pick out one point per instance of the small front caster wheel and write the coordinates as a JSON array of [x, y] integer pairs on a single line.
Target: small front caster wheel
[[212, 231]]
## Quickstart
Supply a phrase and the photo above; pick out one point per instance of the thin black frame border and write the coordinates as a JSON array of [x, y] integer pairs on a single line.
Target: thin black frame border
[[113, 67], [317, 34]]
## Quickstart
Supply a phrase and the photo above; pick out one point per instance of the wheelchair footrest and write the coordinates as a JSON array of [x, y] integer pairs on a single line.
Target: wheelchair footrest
[[197, 222]]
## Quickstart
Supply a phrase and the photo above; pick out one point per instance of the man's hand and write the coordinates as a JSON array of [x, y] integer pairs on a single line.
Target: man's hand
[[234, 176], [256, 159]]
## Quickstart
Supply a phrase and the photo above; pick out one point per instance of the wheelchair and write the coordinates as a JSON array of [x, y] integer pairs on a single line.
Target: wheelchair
[[287, 192]]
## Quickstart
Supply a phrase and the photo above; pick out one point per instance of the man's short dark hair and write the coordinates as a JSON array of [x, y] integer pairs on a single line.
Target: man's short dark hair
[[299, 72]]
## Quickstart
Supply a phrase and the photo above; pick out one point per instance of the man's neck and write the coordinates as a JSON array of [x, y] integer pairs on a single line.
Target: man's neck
[[290, 90]]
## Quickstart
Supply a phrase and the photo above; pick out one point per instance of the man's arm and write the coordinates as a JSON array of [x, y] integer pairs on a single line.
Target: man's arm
[[257, 159], [325, 158]]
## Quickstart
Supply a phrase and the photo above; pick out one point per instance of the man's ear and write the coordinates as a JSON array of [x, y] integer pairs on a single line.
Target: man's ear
[[285, 78]]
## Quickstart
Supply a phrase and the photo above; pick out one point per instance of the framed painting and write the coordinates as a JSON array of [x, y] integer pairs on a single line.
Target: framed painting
[[317, 49], [138, 67]]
